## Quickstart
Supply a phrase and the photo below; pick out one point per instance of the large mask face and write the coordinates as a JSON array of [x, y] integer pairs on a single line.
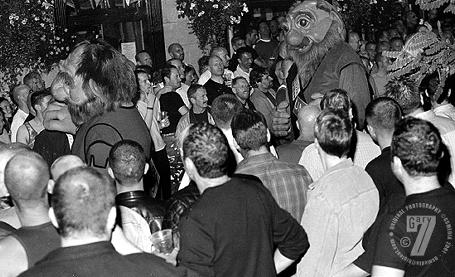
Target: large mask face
[[308, 22]]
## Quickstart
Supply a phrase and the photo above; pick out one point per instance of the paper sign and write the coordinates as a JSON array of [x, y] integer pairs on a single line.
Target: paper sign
[[129, 50]]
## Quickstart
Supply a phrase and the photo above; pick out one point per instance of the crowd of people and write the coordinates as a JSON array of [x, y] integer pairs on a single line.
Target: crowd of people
[[250, 182]]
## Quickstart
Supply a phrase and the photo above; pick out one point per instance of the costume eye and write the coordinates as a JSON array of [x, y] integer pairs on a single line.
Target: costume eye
[[303, 22]]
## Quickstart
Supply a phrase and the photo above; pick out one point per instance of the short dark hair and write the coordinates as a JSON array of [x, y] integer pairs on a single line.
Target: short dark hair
[[223, 109], [337, 100], [166, 71], [193, 89], [234, 39], [30, 76], [207, 147], [144, 68], [36, 98], [26, 178], [256, 76], [203, 61], [81, 199], [127, 161], [405, 92], [237, 79], [418, 144], [241, 51], [333, 130], [383, 113], [249, 129]]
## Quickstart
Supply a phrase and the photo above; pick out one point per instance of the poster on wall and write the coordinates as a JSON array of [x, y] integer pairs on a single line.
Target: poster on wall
[[129, 50]]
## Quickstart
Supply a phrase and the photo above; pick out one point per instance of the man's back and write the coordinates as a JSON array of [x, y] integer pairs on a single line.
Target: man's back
[[287, 182], [341, 206], [95, 138], [233, 229], [101, 259]]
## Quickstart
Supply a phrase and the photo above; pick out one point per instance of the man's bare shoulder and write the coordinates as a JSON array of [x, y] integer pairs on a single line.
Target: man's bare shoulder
[[13, 259]]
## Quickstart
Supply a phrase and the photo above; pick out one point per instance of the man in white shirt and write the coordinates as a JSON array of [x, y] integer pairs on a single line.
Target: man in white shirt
[[20, 96], [365, 149]]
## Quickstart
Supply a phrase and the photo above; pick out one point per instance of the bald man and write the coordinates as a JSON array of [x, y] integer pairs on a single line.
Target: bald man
[[221, 53], [215, 86], [143, 58], [26, 178], [176, 51], [8, 216], [306, 119], [20, 96], [62, 165]]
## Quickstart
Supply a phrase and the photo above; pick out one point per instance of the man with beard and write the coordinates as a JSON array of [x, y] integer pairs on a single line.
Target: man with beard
[[99, 110], [323, 61]]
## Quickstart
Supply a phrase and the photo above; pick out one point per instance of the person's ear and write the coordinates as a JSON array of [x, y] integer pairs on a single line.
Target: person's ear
[[94, 87], [190, 168], [146, 168], [111, 218], [269, 136], [52, 217], [371, 130], [397, 167], [50, 186], [111, 173], [449, 92], [236, 145]]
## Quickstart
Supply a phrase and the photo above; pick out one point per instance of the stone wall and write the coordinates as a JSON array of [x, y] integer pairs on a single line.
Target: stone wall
[[176, 30]]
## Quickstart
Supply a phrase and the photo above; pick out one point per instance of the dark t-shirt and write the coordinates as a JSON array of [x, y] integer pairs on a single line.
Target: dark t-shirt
[[37, 241], [267, 49], [100, 259], [171, 102], [233, 230], [215, 89], [94, 139], [391, 197], [419, 237]]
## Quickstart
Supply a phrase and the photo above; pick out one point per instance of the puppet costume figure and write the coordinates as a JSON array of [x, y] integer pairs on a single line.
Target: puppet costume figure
[[322, 60]]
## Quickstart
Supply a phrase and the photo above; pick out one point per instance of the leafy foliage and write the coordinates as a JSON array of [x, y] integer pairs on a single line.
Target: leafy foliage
[[368, 16], [209, 19], [423, 54], [29, 38], [435, 4]]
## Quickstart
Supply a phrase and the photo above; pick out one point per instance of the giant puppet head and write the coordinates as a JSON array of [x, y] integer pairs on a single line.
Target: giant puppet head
[[312, 28]]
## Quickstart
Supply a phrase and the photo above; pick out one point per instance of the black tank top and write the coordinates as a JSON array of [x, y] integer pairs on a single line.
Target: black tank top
[[37, 241]]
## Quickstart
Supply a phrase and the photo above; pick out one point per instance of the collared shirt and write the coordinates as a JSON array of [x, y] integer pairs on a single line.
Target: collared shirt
[[239, 72], [183, 92], [365, 151], [19, 118], [287, 182], [447, 111], [341, 206]]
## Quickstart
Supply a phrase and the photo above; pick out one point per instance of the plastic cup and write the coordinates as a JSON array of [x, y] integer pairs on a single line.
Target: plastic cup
[[162, 241]]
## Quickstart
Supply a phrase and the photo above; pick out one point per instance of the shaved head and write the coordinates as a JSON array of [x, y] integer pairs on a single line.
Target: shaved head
[[63, 164], [307, 118], [20, 94], [26, 178], [8, 151], [82, 200]]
